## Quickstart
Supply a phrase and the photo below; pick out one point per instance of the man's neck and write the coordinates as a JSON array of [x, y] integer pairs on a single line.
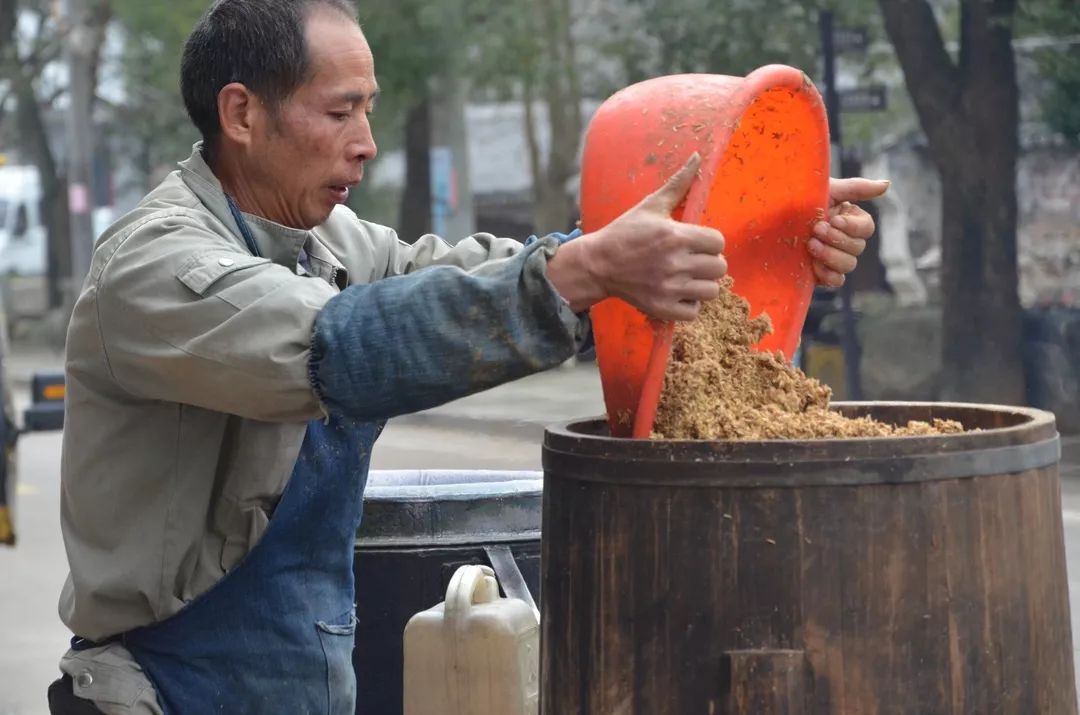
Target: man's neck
[[233, 184]]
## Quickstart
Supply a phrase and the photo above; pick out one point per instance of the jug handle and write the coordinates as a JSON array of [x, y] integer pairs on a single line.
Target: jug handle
[[468, 585], [766, 682], [509, 576]]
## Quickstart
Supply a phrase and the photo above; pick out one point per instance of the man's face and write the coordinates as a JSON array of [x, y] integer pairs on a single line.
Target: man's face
[[304, 158]]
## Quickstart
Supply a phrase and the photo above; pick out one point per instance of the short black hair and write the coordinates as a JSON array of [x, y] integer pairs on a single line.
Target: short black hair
[[258, 43]]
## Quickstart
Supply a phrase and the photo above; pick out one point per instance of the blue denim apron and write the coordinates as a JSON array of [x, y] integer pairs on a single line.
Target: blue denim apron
[[275, 635]]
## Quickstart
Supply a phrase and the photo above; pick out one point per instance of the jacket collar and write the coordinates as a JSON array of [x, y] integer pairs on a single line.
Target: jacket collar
[[280, 244]]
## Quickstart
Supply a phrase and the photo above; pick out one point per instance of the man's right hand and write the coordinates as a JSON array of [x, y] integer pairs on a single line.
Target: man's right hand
[[663, 267]]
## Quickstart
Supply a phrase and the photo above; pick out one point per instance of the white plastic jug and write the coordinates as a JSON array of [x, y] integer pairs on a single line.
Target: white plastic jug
[[475, 654]]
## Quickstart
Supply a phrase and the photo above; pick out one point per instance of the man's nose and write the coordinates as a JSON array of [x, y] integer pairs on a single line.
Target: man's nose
[[363, 146]]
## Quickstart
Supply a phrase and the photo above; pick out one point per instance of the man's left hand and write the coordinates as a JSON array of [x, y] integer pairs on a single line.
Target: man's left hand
[[838, 242]]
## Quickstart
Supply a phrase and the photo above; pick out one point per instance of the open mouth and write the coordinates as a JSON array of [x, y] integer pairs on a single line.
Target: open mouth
[[340, 193]]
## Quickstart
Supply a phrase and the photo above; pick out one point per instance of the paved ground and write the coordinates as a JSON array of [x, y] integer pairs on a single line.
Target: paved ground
[[500, 429]]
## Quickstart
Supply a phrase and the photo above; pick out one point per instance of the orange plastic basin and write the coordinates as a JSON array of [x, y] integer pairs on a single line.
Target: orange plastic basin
[[764, 142]]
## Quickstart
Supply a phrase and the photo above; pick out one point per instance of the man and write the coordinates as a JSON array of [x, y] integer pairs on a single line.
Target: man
[[239, 343]]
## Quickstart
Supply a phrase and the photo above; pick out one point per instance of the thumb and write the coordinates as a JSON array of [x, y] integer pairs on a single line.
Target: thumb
[[856, 189], [674, 190]]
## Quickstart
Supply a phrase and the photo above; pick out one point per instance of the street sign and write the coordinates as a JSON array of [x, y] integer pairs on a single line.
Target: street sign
[[864, 99], [850, 39]]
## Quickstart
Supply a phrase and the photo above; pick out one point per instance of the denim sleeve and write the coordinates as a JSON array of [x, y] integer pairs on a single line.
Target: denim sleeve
[[560, 237], [412, 342], [587, 339]]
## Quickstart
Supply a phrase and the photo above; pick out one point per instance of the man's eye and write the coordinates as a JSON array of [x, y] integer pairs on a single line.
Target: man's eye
[[340, 116]]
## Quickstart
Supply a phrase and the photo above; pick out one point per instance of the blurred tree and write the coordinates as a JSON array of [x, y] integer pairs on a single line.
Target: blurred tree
[[22, 65], [1055, 25], [21, 68], [555, 79], [734, 39], [528, 50], [151, 116], [414, 43], [548, 55], [24, 57], [969, 110]]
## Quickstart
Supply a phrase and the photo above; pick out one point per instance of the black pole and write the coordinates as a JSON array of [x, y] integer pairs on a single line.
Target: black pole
[[850, 342], [832, 99]]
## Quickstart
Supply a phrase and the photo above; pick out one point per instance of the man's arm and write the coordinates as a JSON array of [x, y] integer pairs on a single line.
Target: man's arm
[[214, 328], [515, 320], [431, 250], [222, 330], [454, 333]]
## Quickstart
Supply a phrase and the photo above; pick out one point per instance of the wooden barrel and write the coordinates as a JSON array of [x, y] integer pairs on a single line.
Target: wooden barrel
[[906, 576]]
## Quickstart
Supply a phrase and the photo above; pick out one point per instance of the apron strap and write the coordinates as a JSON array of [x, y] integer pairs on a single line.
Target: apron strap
[[245, 230]]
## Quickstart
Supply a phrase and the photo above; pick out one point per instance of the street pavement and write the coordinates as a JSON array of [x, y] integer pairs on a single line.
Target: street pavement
[[499, 429]]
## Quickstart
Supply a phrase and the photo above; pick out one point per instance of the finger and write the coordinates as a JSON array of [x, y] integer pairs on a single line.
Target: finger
[[852, 220], [702, 239], [833, 258], [684, 310], [826, 277], [856, 189], [705, 267], [671, 309], [844, 208], [839, 239], [700, 291], [674, 190]]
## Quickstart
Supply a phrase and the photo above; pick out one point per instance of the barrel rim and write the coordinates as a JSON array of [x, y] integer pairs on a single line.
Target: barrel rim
[[1037, 419], [453, 492], [452, 507], [1032, 442]]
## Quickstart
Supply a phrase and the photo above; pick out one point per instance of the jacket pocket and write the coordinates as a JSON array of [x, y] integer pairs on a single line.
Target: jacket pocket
[[207, 268], [337, 645], [236, 279]]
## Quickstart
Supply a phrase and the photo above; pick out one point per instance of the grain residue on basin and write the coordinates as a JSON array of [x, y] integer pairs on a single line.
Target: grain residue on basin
[[717, 387]]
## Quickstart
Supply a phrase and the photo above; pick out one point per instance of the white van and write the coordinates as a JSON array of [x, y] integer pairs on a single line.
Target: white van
[[23, 242], [22, 230]]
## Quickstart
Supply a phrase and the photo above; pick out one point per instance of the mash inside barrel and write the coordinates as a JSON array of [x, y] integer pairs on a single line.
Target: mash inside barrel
[[717, 387]]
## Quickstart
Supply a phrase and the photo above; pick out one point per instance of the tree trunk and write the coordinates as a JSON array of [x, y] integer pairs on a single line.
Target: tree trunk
[[35, 142], [416, 198], [532, 141], [54, 200], [560, 89], [969, 111]]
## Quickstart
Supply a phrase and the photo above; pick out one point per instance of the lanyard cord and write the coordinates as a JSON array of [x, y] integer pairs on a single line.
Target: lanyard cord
[[245, 230]]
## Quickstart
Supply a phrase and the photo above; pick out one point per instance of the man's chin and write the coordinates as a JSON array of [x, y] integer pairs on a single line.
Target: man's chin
[[319, 216]]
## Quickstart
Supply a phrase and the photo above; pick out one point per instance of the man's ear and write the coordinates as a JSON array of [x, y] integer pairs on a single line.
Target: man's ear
[[238, 111]]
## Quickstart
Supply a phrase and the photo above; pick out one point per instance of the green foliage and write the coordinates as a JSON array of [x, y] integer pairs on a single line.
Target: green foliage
[[733, 38], [412, 40], [1056, 26], [509, 48], [152, 117], [499, 46], [1061, 108]]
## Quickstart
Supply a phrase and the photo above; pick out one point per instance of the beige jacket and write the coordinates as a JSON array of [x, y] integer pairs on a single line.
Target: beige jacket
[[187, 397]]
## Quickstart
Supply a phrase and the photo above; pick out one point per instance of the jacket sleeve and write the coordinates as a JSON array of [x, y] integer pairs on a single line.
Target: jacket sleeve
[[431, 250], [412, 342], [219, 329]]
